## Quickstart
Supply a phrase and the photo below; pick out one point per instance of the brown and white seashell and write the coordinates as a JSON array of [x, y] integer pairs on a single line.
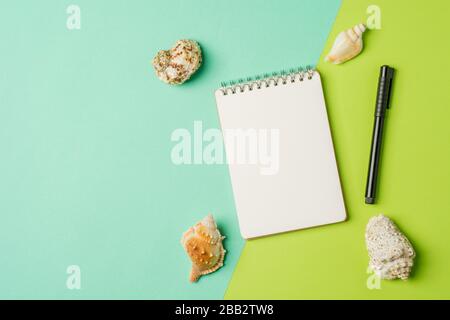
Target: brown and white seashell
[[203, 244], [391, 254], [347, 45], [177, 65]]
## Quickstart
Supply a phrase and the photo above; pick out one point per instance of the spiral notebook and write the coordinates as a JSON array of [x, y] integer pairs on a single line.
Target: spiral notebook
[[280, 153]]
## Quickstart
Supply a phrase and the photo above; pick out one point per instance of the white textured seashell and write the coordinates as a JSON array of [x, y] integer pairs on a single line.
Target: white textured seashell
[[347, 45], [391, 254], [177, 65], [203, 244]]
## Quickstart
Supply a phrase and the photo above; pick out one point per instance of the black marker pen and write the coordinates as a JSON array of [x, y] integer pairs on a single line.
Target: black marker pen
[[382, 104]]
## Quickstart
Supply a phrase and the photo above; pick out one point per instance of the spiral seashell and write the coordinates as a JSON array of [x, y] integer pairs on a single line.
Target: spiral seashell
[[391, 254], [177, 65], [203, 244], [347, 45]]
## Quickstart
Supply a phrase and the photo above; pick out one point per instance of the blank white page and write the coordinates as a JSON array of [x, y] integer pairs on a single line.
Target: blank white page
[[306, 191]]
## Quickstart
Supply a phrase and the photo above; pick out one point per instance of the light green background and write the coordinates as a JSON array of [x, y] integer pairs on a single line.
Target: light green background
[[85, 172], [331, 262]]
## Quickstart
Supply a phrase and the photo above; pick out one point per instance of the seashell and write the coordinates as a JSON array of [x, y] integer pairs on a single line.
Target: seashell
[[203, 244], [391, 254], [347, 45], [177, 65]]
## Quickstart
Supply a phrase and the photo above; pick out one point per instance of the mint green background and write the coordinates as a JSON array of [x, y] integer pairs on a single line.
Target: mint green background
[[85, 170], [331, 262]]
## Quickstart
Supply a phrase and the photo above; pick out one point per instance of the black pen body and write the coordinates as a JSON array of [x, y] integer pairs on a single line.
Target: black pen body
[[374, 162], [382, 104]]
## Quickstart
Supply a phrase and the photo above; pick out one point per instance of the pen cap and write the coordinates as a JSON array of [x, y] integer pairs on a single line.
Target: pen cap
[[384, 90]]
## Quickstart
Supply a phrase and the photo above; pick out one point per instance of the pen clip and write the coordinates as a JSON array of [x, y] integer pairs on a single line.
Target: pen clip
[[389, 76]]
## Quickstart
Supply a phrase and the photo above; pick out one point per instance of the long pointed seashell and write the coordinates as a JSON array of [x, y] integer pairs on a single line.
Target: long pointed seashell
[[347, 45], [203, 244]]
